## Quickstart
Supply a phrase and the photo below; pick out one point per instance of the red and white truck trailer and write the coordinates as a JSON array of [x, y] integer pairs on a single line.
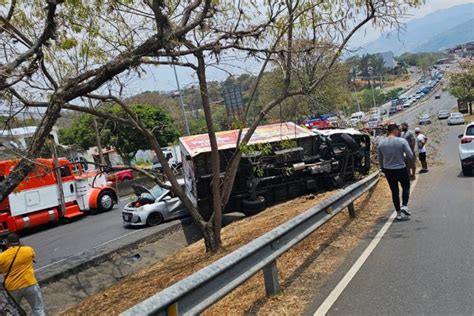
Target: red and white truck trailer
[[38, 199]]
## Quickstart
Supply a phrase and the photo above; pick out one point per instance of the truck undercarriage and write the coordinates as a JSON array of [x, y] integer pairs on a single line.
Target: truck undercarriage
[[272, 173]]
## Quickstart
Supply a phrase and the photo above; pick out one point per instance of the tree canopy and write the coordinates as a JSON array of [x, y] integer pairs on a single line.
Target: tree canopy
[[126, 139]]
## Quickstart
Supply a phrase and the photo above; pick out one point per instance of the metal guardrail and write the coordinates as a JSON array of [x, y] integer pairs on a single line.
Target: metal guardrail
[[202, 289]]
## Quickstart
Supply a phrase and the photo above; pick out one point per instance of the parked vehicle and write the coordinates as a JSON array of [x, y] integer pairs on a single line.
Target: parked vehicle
[[318, 123], [38, 200], [466, 150], [437, 96], [357, 117], [281, 161], [173, 156], [392, 110], [443, 114], [374, 121], [407, 104], [425, 119], [120, 175], [153, 206], [456, 118]]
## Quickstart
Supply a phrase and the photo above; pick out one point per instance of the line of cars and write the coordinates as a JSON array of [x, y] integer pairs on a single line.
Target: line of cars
[[406, 101], [454, 118], [466, 144]]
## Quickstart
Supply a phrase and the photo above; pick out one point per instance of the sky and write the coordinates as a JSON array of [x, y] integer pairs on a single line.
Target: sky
[[163, 79]]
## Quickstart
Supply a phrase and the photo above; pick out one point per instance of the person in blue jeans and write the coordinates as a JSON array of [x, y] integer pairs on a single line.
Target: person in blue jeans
[[393, 151]]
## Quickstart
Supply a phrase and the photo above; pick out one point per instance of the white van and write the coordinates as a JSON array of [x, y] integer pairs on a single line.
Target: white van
[[357, 117]]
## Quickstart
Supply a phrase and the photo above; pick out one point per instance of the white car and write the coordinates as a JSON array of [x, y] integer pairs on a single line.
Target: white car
[[424, 119], [443, 114], [466, 150], [153, 206], [456, 118]]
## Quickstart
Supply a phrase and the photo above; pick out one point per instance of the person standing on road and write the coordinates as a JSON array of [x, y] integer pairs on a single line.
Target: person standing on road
[[411, 139], [392, 152], [16, 266], [421, 144]]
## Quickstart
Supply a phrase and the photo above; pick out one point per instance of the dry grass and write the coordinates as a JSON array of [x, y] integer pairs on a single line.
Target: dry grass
[[305, 268]]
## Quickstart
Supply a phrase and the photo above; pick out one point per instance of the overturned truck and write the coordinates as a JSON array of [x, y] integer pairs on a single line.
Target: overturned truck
[[281, 161]]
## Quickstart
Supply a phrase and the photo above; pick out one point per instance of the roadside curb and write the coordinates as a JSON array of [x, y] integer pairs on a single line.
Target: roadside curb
[[96, 256]]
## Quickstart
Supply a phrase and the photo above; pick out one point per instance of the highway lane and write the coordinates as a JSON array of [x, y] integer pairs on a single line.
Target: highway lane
[[425, 265], [55, 243]]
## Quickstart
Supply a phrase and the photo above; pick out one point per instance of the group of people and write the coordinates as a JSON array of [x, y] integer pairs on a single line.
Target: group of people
[[397, 159]]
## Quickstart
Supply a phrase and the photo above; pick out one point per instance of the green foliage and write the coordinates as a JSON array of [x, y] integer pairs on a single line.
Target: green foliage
[[461, 85], [366, 98], [287, 144], [422, 60], [125, 138], [264, 149]]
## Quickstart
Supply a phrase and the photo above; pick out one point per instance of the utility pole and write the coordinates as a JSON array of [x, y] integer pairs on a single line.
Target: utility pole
[[180, 98]]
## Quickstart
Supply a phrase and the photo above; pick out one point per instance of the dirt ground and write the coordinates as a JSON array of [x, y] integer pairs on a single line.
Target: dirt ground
[[326, 249]]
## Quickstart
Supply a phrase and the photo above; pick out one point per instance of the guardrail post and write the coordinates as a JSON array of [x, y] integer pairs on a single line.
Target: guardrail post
[[351, 209], [270, 276]]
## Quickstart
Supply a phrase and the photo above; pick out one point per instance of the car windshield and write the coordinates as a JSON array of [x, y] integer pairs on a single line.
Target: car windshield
[[456, 115], [157, 191]]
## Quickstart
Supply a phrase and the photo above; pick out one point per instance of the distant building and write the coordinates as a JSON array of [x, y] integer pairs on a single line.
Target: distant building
[[20, 137], [388, 60]]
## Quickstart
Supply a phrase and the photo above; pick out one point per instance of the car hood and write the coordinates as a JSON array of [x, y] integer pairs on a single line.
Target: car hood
[[140, 189]]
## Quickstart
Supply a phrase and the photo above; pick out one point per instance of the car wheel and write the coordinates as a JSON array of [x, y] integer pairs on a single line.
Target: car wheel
[[466, 171], [105, 202], [252, 207], [154, 219]]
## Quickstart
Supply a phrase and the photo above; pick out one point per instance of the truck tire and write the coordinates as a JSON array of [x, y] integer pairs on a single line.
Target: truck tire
[[350, 142], [105, 201], [154, 219], [252, 207]]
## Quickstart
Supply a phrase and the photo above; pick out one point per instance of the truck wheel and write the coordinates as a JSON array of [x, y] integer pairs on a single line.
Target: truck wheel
[[105, 202], [154, 219], [350, 142], [252, 207]]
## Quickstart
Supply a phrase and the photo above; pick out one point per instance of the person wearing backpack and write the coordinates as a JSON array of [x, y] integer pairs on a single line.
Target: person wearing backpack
[[16, 266]]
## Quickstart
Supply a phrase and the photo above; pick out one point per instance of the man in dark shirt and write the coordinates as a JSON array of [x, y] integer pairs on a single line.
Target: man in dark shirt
[[411, 139]]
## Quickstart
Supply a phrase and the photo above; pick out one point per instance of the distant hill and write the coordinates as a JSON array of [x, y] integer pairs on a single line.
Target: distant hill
[[436, 31]]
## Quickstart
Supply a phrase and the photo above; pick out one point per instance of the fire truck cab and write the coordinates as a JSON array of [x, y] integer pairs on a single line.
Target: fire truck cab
[[37, 199]]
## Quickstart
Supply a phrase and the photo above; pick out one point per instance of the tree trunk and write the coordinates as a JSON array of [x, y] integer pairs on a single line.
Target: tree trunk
[[215, 227], [26, 165], [212, 244]]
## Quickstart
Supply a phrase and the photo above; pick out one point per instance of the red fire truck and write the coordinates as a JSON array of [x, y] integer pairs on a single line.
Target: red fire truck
[[38, 199]]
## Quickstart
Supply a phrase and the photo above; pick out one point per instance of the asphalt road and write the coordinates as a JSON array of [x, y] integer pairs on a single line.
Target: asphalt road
[[424, 265], [53, 244]]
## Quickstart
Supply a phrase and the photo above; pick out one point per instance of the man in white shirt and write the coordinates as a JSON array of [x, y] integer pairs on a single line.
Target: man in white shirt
[[421, 144]]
